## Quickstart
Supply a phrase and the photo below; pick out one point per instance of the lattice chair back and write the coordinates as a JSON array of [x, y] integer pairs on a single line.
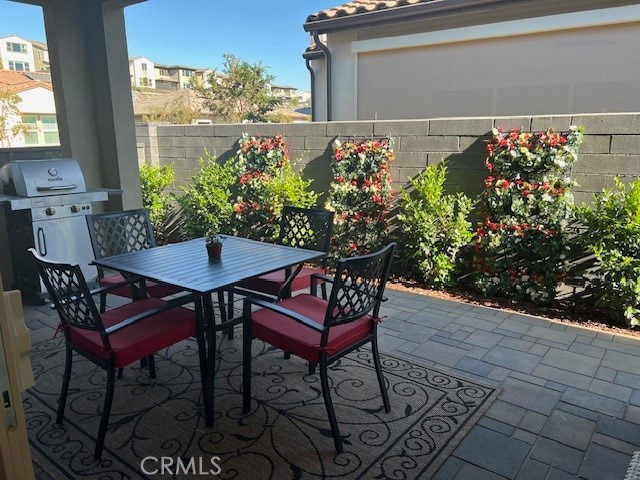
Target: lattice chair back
[[70, 294], [306, 228], [358, 287], [116, 233]]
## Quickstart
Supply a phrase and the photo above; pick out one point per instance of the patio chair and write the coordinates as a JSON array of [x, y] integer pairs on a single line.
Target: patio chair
[[115, 233], [322, 331], [111, 339], [299, 227]]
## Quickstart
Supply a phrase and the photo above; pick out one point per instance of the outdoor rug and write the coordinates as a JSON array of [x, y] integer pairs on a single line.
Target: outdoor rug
[[159, 422]]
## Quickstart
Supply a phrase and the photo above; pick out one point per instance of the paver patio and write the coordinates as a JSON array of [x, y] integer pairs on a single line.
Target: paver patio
[[569, 405]]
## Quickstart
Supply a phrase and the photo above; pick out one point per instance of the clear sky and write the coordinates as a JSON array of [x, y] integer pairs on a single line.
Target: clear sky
[[197, 33]]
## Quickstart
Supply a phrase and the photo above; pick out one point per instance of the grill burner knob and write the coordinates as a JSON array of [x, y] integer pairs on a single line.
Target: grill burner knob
[[50, 211], [75, 208]]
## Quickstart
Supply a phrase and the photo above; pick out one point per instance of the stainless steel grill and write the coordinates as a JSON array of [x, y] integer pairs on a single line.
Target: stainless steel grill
[[45, 205]]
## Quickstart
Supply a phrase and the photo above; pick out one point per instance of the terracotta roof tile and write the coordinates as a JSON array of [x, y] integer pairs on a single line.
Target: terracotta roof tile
[[16, 82], [356, 7]]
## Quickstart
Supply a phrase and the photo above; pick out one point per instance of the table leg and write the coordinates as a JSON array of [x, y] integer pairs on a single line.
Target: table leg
[[210, 334]]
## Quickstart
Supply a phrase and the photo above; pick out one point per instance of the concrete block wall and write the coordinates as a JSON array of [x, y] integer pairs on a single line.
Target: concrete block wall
[[611, 146]]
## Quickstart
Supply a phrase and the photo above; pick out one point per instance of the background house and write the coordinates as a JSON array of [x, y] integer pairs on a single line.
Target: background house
[[36, 106], [403, 59], [142, 72], [16, 54]]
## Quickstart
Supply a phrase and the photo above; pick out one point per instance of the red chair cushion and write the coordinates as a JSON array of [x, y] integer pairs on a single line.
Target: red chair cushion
[[140, 339], [271, 283], [154, 289], [298, 339]]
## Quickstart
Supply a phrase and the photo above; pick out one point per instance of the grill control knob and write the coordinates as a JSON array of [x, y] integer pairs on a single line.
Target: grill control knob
[[50, 211], [75, 208]]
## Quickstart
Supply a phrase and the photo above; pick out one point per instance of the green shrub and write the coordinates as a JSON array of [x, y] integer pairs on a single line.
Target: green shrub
[[153, 181], [613, 235], [207, 204], [435, 227], [526, 209], [360, 196], [265, 182]]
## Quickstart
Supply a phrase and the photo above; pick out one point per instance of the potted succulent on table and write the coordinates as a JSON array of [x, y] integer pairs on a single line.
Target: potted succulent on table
[[214, 246]]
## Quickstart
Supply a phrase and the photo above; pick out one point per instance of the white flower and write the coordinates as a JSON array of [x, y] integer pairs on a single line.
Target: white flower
[[560, 163], [337, 143], [547, 198]]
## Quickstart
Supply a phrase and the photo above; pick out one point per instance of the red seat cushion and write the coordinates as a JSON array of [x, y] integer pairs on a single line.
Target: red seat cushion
[[271, 283], [140, 339], [300, 340], [154, 289]]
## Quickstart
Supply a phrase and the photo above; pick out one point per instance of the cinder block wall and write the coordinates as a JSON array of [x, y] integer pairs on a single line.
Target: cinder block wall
[[611, 146]]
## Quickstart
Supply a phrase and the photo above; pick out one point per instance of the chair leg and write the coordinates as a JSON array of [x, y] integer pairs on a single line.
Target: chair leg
[[323, 288], [106, 411], [230, 301], [246, 357], [120, 370], [376, 361], [287, 355], [65, 385], [152, 366], [225, 314], [312, 368], [328, 403], [103, 302]]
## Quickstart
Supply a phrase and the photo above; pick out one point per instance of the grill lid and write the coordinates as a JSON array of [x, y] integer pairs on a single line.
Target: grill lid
[[39, 178]]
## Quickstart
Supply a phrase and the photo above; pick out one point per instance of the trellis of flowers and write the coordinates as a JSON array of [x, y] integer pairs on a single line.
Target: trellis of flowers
[[257, 160], [526, 206], [360, 195]]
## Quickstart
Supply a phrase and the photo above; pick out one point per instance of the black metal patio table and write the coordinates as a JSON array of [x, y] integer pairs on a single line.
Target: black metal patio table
[[186, 265]]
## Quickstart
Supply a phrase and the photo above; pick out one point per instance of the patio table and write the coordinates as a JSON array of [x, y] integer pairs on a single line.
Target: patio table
[[186, 265]]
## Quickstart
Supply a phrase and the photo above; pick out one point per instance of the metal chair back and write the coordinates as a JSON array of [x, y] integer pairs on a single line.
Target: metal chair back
[[115, 233]]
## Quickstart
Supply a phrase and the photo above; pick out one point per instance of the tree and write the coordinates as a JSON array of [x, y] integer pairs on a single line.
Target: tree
[[176, 112], [240, 92], [8, 111]]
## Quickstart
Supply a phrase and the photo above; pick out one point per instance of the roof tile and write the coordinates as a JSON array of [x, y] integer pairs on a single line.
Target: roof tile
[[15, 82], [356, 7]]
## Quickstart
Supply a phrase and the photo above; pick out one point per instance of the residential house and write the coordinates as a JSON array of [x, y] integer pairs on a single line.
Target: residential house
[[283, 93], [142, 72], [175, 77], [40, 56], [164, 78], [16, 54], [445, 58], [37, 108]]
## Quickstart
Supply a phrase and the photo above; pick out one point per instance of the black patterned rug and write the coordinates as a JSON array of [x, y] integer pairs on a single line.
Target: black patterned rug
[[157, 427]]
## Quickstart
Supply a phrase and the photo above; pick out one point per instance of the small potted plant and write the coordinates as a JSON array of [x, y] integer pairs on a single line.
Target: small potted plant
[[214, 246]]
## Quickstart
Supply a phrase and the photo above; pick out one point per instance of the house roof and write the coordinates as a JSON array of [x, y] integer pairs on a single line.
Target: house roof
[[16, 82], [366, 13]]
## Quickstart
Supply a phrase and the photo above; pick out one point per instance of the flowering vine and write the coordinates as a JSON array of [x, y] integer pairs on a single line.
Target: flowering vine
[[526, 207], [360, 195], [266, 182]]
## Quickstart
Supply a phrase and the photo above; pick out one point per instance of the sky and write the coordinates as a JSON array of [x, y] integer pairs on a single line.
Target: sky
[[196, 33]]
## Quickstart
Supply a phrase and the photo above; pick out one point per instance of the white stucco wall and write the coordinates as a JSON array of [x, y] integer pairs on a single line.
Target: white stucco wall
[[593, 70], [38, 100]]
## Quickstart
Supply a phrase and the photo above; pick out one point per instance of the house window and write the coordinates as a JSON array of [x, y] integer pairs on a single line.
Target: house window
[[16, 47], [187, 73], [43, 130], [19, 66], [144, 67]]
